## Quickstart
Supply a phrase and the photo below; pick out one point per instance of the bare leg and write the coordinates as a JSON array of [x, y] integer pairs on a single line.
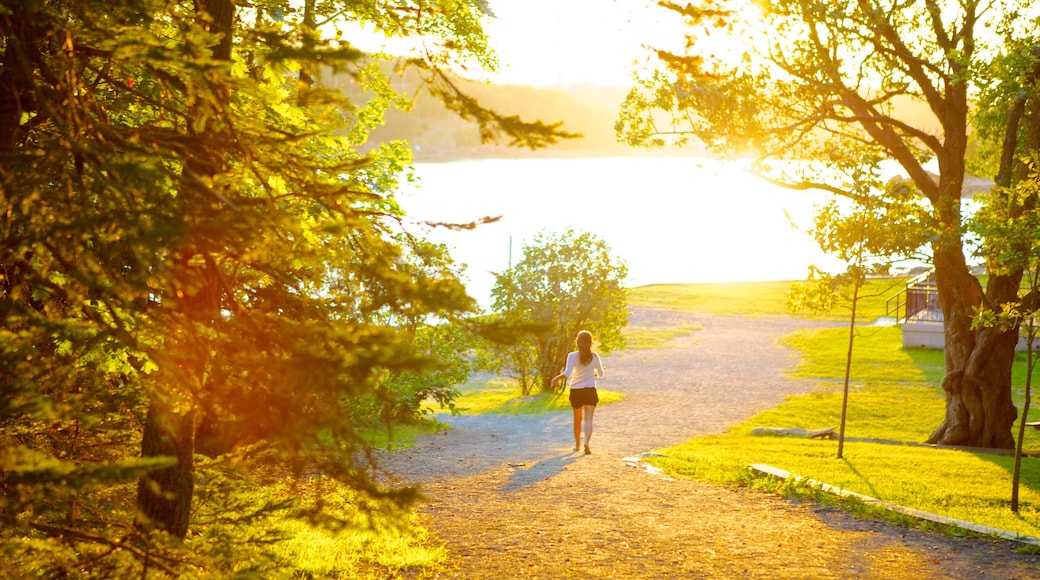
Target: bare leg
[[577, 428], [590, 410]]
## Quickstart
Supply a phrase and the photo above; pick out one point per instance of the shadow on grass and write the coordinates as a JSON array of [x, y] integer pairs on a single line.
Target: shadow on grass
[[930, 361]]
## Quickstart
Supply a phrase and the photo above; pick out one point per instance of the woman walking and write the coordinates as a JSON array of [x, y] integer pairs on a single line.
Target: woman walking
[[583, 368]]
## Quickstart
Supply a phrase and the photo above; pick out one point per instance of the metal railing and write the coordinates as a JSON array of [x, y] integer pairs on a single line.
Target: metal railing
[[917, 301]]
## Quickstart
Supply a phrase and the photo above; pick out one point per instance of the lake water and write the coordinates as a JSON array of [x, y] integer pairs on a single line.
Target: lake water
[[672, 220]]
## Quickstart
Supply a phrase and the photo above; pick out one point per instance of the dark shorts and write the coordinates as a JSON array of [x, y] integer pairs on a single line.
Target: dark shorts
[[582, 397]]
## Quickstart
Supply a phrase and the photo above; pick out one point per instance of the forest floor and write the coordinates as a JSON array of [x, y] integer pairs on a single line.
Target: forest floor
[[510, 498]]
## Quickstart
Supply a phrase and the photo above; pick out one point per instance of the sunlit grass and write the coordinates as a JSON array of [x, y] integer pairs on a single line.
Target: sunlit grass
[[365, 545], [894, 397], [967, 486], [640, 337], [358, 552], [502, 397], [877, 355], [757, 298]]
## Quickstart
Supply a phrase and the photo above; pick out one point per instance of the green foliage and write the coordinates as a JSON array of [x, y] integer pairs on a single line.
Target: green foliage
[[1012, 219], [998, 103], [202, 253], [563, 283], [449, 345], [866, 101]]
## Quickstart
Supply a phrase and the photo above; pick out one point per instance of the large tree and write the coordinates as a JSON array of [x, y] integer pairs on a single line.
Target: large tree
[[195, 227], [834, 96]]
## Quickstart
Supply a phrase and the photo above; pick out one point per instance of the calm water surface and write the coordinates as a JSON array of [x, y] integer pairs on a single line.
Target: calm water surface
[[672, 220]]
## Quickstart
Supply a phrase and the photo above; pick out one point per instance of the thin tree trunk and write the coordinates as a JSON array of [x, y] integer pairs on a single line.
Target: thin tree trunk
[[165, 496]]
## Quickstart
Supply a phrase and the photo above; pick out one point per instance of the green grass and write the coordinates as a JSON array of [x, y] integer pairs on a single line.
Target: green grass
[[894, 396], [877, 355], [639, 337], [502, 397], [756, 298], [382, 541], [358, 551]]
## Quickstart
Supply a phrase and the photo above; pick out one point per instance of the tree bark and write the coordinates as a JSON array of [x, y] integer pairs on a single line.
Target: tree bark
[[165, 496], [16, 95], [979, 408], [979, 411]]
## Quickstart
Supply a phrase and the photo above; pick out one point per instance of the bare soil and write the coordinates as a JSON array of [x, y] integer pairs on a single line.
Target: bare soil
[[510, 498]]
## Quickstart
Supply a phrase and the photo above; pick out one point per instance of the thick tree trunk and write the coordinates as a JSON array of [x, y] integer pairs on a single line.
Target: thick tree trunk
[[979, 411]]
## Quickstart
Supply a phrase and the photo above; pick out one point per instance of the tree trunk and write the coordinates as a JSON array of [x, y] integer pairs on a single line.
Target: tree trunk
[[979, 411], [15, 97], [164, 495]]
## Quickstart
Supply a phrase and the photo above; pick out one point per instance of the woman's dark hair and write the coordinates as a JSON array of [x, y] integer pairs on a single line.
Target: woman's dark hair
[[584, 341]]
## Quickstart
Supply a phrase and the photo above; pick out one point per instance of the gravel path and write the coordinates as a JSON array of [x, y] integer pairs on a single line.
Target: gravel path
[[724, 373], [510, 498]]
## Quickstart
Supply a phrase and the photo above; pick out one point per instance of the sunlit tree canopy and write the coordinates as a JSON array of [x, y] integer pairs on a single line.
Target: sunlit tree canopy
[[888, 106], [202, 253]]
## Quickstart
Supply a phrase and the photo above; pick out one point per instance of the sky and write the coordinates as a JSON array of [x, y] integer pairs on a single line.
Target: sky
[[575, 42], [566, 42]]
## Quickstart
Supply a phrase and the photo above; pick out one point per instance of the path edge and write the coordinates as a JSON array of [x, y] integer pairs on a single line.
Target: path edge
[[777, 473]]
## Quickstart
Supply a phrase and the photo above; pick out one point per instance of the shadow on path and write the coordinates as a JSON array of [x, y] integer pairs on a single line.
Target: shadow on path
[[525, 475]]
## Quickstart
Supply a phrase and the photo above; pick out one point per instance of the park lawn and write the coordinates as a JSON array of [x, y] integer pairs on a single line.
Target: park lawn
[[893, 396], [758, 298]]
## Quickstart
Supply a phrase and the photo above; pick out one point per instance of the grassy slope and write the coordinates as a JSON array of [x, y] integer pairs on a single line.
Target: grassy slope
[[756, 298]]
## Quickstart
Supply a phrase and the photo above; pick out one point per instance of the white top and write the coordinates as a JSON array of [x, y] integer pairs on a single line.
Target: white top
[[583, 377]]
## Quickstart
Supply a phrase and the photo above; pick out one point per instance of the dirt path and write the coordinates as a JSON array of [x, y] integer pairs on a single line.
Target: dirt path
[[510, 498]]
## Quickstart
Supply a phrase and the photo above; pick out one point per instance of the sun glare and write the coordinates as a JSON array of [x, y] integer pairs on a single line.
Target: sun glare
[[561, 43], [597, 42]]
